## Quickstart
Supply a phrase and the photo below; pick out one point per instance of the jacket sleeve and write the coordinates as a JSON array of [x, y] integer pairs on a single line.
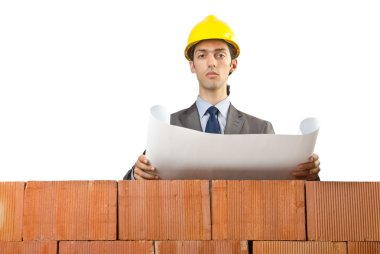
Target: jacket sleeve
[[128, 175]]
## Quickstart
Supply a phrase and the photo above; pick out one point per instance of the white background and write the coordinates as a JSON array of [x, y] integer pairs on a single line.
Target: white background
[[77, 79]]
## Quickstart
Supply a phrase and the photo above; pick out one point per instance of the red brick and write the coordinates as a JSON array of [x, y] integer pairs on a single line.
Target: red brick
[[363, 247], [11, 209], [293, 247], [343, 211], [258, 210], [70, 210], [201, 247], [28, 247], [164, 210], [101, 247]]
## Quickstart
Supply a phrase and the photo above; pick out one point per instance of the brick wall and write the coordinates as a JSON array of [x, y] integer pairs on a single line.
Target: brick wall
[[191, 216]]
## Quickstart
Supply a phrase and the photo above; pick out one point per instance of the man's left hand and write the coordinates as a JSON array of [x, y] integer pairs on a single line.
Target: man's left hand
[[308, 170]]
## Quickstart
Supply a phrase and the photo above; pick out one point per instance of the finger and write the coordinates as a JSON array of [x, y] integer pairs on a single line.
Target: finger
[[137, 177], [301, 173], [308, 165], [143, 166], [313, 157], [307, 170], [312, 163], [315, 171], [305, 166], [145, 175], [317, 163], [143, 159], [307, 175]]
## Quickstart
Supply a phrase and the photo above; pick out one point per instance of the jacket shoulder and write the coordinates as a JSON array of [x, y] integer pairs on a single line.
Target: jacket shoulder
[[175, 118], [255, 125], [187, 118]]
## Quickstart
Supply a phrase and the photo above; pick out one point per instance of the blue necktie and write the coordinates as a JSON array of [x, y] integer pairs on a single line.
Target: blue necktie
[[212, 125]]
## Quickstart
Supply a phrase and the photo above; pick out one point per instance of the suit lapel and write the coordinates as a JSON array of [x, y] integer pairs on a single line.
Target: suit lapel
[[190, 118], [235, 121]]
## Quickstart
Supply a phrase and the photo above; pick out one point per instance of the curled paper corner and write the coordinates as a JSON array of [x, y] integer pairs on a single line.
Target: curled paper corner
[[160, 113], [309, 125]]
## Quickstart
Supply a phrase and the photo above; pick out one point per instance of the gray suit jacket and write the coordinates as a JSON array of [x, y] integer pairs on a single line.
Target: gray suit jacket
[[237, 123]]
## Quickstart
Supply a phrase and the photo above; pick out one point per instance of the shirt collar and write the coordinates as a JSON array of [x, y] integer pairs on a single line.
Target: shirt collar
[[222, 106]]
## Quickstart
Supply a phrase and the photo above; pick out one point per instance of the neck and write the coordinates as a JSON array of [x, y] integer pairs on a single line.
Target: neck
[[213, 96]]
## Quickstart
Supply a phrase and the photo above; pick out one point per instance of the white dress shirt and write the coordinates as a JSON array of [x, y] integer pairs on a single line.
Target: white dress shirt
[[222, 106]]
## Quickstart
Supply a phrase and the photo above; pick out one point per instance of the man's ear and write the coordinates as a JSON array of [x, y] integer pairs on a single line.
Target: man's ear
[[234, 63], [192, 67]]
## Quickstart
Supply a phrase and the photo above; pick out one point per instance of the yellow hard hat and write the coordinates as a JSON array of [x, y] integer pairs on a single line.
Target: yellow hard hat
[[211, 28]]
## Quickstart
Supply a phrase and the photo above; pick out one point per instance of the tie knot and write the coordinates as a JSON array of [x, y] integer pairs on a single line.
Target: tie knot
[[212, 110]]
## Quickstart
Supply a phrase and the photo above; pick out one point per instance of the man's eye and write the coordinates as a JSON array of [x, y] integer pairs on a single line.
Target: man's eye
[[201, 56], [220, 56]]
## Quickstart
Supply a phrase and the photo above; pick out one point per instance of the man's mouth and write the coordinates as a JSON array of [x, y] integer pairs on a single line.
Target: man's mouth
[[212, 74]]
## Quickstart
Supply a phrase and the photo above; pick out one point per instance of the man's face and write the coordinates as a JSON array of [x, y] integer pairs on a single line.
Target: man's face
[[212, 64]]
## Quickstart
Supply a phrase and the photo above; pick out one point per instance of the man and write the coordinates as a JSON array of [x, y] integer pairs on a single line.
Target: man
[[212, 52]]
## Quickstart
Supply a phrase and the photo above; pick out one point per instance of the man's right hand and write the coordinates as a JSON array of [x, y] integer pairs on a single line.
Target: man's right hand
[[143, 170]]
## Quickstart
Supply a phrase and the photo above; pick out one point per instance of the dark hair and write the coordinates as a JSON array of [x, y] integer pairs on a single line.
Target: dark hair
[[231, 48]]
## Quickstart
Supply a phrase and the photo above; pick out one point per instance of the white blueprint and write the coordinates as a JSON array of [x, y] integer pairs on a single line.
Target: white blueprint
[[181, 153]]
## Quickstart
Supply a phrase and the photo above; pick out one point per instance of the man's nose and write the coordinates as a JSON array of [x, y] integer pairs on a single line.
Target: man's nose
[[211, 61]]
